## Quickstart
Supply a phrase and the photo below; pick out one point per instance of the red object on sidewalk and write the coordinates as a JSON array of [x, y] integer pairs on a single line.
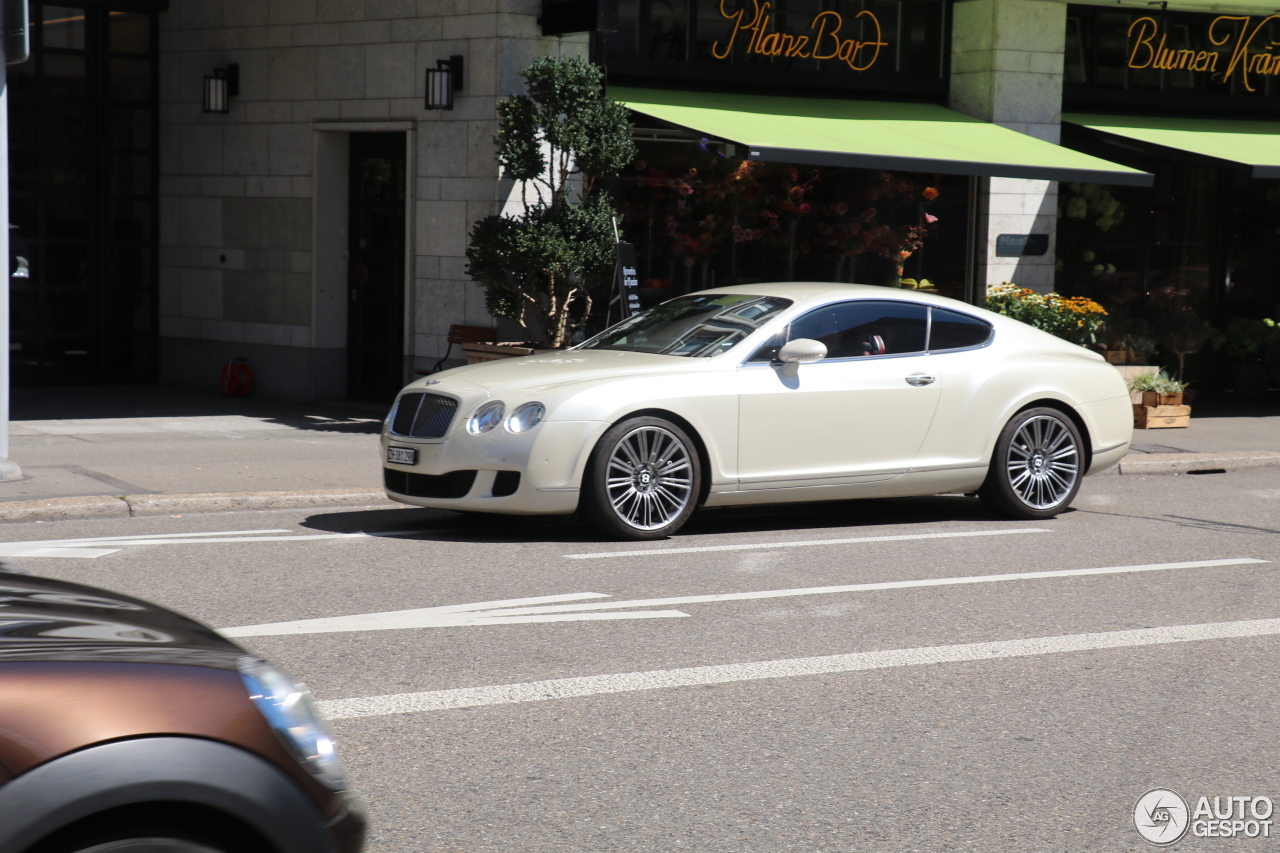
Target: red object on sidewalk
[[236, 377]]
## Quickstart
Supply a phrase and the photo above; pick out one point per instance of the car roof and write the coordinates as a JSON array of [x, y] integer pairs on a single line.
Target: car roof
[[804, 292]]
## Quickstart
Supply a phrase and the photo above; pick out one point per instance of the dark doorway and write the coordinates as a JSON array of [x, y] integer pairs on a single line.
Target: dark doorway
[[83, 202], [375, 269]]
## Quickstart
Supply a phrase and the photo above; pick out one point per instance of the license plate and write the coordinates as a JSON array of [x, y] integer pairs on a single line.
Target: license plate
[[402, 455]]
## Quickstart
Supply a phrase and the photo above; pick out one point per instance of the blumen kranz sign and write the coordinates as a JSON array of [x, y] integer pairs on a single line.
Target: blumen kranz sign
[[1237, 45]]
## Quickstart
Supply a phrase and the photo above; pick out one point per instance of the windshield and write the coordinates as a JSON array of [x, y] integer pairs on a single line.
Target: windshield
[[697, 325]]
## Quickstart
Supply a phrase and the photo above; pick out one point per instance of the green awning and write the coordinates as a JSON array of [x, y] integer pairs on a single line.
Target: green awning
[[873, 135], [1251, 143]]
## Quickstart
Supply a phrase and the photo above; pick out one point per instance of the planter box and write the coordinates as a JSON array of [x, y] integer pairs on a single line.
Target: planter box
[[1151, 398], [477, 353], [1161, 417]]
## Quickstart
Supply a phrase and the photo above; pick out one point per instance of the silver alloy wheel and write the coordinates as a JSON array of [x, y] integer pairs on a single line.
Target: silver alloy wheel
[[649, 480], [1043, 463]]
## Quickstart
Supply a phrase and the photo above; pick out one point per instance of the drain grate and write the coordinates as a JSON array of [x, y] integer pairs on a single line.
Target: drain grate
[[1156, 448]]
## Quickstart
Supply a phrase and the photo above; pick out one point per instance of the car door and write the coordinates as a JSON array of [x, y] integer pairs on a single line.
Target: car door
[[858, 415]]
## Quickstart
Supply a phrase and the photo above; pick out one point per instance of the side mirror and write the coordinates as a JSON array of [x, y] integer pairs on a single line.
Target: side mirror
[[802, 351]]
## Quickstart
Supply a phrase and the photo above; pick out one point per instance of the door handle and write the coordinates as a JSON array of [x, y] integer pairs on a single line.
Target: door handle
[[919, 379]]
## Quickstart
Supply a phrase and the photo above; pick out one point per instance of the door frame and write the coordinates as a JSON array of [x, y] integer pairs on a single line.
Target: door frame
[[330, 225]]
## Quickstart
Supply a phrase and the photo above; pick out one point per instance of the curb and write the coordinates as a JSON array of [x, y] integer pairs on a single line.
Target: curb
[[125, 506], [1196, 463]]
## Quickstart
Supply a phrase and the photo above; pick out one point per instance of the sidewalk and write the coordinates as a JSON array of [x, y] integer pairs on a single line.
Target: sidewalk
[[144, 450], [119, 451]]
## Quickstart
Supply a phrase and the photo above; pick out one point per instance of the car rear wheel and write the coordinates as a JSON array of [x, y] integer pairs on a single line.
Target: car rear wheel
[[1037, 465], [643, 480]]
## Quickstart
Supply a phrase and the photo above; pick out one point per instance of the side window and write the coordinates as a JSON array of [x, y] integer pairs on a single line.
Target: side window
[[952, 330], [865, 327]]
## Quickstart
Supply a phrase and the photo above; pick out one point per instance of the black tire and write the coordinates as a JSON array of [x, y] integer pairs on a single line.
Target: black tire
[[1036, 467], [643, 480], [148, 844]]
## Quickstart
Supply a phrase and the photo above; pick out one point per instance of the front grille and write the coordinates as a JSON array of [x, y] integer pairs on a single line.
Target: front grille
[[506, 483], [423, 415], [455, 484]]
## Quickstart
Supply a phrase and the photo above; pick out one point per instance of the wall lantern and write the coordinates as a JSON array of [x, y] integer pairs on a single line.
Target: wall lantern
[[442, 82], [220, 88]]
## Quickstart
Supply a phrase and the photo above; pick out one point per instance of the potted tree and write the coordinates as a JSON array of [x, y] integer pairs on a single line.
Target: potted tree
[[545, 266]]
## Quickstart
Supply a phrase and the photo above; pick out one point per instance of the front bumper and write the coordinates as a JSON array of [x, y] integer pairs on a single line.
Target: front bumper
[[549, 460]]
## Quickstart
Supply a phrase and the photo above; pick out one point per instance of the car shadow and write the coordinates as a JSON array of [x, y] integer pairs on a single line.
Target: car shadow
[[447, 526]]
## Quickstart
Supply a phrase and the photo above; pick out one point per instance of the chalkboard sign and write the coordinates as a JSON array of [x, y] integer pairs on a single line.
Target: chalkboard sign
[[1021, 245], [628, 283]]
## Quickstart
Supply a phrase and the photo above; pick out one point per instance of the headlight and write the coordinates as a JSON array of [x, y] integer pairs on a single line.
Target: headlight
[[486, 418], [291, 712], [526, 417]]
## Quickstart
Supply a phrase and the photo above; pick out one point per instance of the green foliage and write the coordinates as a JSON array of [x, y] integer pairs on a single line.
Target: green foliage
[[546, 266], [1249, 339], [1074, 319], [1157, 381], [1086, 230]]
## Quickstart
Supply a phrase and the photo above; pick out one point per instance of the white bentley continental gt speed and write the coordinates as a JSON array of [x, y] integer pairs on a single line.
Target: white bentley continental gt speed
[[765, 393]]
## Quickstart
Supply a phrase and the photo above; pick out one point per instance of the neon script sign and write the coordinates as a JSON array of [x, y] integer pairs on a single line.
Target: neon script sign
[[1146, 52], [825, 40]]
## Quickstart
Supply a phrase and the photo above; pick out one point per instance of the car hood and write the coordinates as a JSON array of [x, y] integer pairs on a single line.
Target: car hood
[[46, 619], [551, 370]]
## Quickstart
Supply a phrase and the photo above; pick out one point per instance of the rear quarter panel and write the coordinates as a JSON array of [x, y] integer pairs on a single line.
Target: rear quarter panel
[[982, 389]]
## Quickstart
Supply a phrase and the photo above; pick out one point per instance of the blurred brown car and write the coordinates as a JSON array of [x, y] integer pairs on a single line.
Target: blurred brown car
[[128, 728]]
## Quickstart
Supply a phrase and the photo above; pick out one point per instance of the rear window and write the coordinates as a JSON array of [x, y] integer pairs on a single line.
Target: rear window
[[953, 330]]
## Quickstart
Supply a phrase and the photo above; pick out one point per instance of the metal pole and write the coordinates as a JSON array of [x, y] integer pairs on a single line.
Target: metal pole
[[9, 470]]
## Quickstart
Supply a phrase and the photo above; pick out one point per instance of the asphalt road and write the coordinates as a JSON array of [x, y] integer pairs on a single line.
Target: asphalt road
[[692, 706]]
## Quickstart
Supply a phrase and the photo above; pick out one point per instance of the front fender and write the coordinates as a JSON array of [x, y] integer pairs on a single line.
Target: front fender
[[161, 769]]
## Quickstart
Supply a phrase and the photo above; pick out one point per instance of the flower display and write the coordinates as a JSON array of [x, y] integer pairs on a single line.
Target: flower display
[[1075, 318]]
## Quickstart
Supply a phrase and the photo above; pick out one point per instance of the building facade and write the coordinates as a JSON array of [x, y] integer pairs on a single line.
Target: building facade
[[318, 227]]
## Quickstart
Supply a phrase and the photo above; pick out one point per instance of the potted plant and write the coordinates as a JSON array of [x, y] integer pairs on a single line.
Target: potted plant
[[1181, 332], [1161, 401], [1253, 344], [545, 266]]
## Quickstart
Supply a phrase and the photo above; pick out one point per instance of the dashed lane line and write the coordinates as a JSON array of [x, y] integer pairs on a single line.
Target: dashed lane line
[[629, 682], [801, 543]]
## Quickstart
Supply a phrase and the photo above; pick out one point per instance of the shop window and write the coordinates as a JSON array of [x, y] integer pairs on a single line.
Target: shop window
[[700, 218]]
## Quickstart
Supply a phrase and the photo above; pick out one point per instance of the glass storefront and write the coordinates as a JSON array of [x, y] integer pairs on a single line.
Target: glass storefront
[[83, 198], [701, 218], [1175, 264], [702, 215]]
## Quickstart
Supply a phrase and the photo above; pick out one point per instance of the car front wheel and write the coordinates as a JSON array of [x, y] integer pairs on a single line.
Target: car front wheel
[[643, 480], [1036, 467]]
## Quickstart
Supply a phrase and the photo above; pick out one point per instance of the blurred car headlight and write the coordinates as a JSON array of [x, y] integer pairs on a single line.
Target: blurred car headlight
[[486, 418], [526, 417], [288, 708]]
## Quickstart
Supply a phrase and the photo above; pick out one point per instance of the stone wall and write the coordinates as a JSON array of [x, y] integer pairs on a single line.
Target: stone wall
[[248, 262], [1006, 68]]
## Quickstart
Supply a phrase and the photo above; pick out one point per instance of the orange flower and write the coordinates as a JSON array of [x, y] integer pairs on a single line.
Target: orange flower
[[929, 193]]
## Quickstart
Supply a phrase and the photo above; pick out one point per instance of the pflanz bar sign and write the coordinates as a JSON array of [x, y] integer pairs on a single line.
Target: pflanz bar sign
[[830, 36]]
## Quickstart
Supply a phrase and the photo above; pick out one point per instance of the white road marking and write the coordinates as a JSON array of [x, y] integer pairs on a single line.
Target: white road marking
[[801, 543], [528, 610], [93, 547], [448, 616], [595, 685]]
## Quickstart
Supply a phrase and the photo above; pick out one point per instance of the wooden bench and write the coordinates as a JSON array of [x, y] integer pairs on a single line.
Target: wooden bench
[[462, 335]]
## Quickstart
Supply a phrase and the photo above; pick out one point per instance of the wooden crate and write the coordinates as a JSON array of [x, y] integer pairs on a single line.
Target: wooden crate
[[1151, 398], [1161, 417]]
